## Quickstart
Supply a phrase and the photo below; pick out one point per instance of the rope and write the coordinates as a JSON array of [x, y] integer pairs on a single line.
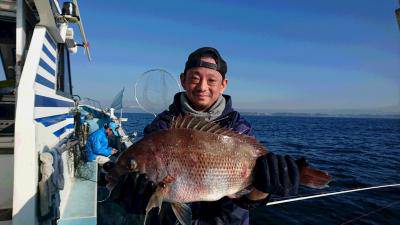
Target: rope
[[329, 194]]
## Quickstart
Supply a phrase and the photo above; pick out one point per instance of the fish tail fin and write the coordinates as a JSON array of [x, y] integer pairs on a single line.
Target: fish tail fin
[[183, 213], [314, 178]]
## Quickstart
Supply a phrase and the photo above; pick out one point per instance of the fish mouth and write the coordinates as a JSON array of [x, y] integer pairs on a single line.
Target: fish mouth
[[110, 187], [115, 172], [111, 175], [113, 178]]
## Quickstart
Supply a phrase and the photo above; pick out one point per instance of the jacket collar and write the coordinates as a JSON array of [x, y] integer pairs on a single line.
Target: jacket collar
[[176, 109]]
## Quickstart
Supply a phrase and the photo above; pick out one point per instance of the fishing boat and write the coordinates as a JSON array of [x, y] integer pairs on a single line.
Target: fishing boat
[[43, 124], [44, 177]]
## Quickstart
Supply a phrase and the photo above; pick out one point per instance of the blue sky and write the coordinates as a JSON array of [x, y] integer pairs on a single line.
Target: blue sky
[[282, 55]]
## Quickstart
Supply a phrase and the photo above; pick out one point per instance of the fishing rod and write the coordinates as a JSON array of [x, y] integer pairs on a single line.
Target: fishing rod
[[329, 194]]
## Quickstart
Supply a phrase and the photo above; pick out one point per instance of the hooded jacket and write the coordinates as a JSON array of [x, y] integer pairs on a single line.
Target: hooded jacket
[[229, 118], [97, 144]]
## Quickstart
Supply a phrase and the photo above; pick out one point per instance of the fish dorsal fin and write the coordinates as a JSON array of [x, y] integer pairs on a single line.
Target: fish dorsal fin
[[200, 124], [197, 123]]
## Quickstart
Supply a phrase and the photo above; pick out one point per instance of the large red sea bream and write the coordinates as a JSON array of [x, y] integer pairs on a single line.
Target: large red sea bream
[[195, 160]]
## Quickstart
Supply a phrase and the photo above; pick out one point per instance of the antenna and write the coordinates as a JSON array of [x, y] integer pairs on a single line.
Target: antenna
[[80, 24]]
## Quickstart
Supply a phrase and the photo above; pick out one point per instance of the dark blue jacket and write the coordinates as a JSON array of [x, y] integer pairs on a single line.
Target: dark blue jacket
[[229, 118], [223, 211]]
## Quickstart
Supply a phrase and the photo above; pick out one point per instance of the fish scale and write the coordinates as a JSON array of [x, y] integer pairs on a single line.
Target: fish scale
[[205, 166], [210, 178]]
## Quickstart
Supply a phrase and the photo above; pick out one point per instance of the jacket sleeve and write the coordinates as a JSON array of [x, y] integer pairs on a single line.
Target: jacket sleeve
[[100, 146], [241, 126]]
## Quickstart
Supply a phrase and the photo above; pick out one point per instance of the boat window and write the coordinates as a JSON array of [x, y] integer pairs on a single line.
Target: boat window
[[7, 57], [2, 73], [64, 86]]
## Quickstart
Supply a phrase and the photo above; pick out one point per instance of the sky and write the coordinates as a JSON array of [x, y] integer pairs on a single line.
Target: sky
[[283, 55]]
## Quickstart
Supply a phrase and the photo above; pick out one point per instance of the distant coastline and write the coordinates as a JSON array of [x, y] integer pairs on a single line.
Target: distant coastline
[[289, 114], [295, 114]]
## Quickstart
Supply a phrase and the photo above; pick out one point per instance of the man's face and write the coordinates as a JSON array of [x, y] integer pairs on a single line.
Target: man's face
[[203, 85], [108, 132]]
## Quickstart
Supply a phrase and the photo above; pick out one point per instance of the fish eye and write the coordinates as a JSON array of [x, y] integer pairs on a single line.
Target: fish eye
[[132, 164], [108, 166]]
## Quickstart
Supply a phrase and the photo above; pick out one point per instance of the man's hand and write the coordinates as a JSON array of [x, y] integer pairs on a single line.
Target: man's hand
[[133, 192], [114, 151], [275, 174]]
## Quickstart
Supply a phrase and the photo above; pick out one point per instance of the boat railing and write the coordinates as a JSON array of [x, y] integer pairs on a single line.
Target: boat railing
[[91, 102]]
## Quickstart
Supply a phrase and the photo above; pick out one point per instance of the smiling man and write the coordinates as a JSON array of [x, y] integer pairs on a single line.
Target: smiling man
[[204, 82]]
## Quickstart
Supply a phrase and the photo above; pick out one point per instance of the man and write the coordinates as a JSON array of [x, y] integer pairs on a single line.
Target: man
[[97, 144], [204, 82], [114, 139]]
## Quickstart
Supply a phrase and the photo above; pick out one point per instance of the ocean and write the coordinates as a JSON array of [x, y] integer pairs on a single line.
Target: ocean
[[355, 152]]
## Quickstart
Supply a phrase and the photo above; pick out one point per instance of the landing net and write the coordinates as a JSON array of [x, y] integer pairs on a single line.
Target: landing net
[[154, 90]]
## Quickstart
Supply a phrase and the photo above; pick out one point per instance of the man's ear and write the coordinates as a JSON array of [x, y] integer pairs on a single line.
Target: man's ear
[[182, 78], [224, 83]]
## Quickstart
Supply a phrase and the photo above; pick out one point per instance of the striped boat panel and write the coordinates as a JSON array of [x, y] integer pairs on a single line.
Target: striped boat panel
[[44, 101], [50, 120], [51, 110], [43, 81], [47, 67], [49, 54], [50, 40], [46, 73], [62, 130]]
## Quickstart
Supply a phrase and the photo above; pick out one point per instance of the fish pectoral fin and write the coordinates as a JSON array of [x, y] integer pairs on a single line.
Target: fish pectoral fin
[[156, 199], [183, 213]]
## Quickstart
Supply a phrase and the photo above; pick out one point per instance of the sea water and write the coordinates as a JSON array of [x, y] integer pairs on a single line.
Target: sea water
[[356, 152]]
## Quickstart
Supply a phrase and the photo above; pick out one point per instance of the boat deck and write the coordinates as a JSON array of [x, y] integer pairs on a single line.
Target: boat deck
[[81, 208]]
